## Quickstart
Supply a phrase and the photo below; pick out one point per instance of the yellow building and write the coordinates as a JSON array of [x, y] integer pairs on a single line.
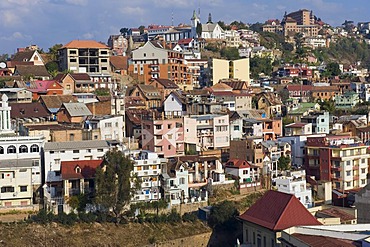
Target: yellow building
[[227, 69]]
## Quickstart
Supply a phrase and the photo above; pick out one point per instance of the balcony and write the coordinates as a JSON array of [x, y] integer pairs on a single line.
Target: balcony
[[336, 168]]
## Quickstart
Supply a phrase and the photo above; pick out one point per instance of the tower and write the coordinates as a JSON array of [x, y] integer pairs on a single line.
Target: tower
[[5, 121], [209, 18], [195, 21]]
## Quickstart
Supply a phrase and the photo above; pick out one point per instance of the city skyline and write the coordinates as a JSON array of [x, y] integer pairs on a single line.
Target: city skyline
[[48, 22]]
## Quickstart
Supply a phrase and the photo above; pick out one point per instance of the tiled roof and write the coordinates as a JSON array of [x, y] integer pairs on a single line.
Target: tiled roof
[[273, 98], [184, 41], [80, 76], [166, 83], [149, 91], [322, 241], [56, 101], [35, 70], [77, 169], [335, 212], [76, 145], [324, 89], [295, 87], [221, 87], [119, 62], [237, 163], [236, 84], [23, 56], [43, 86], [77, 109], [85, 44], [278, 211], [28, 110]]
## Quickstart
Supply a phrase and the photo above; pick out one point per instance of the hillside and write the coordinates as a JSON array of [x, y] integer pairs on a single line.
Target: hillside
[[133, 234]]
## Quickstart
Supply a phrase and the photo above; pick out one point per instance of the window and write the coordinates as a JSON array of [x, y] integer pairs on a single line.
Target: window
[[108, 125], [348, 184], [71, 137], [23, 188], [35, 162], [23, 149], [1, 150], [169, 126], [348, 173], [12, 149], [57, 173], [169, 136], [363, 170], [76, 151], [348, 162], [100, 150], [158, 126], [182, 180], [7, 189], [34, 148], [236, 128], [73, 60], [169, 147]]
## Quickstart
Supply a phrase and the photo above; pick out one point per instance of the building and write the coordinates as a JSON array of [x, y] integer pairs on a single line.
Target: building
[[164, 136], [110, 127], [348, 100], [224, 69], [118, 44], [264, 221], [319, 120], [295, 183], [207, 132], [147, 167], [339, 159], [301, 21], [242, 171], [85, 56], [17, 95]]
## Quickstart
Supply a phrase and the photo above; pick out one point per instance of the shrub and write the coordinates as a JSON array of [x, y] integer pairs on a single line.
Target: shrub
[[67, 219], [174, 216], [87, 217], [42, 217], [190, 217]]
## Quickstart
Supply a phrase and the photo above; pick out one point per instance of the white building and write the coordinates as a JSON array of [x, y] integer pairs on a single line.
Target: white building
[[295, 183], [241, 169], [111, 127], [56, 152], [20, 162], [147, 167]]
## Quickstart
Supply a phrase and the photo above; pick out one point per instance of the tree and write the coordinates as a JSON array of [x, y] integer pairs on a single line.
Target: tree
[[52, 68], [256, 27], [222, 25], [115, 183], [260, 65], [199, 30], [124, 31], [284, 163], [142, 28], [333, 69], [230, 53], [223, 215], [328, 105], [53, 51]]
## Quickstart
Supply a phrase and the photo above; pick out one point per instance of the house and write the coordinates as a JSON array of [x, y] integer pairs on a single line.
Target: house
[[78, 177], [242, 171], [38, 88], [105, 105], [175, 182], [119, 64], [31, 56], [76, 83], [212, 31], [110, 127], [17, 95], [53, 102], [347, 100], [330, 157], [175, 104], [32, 71], [249, 149], [164, 86], [164, 136], [319, 121], [295, 183], [149, 94], [264, 221], [73, 113], [323, 92], [147, 167], [297, 129], [28, 113], [270, 102], [55, 153], [85, 56]]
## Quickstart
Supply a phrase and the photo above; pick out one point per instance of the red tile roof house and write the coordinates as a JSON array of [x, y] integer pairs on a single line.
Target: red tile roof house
[[78, 176], [264, 221]]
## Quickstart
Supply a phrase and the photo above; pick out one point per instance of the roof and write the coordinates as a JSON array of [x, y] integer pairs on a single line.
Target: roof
[[87, 168], [166, 83], [322, 241], [271, 97], [43, 86], [237, 163], [76, 145], [77, 109], [24, 56], [221, 87], [209, 27], [278, 211], [119, 62], [54, 102], [236, 84], [28, 110], [15, 163], [296, 125], [184, 41], [298, 87], [85, 44], [149, 91], [335, 212], [35, 70]]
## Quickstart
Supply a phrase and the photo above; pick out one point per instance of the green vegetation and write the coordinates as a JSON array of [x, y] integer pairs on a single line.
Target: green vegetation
[[260, 65], [113, 183], [284, 163], [230, 53], [102, 92], [223, 215]]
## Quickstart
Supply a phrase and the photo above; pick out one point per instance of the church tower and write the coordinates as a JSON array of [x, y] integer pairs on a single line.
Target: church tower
[[195, 21], [5, 121]]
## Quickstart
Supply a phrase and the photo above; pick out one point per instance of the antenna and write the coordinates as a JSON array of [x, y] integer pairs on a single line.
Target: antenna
[[172, 18], [199, 9]]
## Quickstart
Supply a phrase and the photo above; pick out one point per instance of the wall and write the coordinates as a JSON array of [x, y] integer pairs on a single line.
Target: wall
[[195, 240]]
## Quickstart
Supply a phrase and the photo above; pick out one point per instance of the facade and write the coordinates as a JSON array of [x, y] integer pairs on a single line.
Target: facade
[[243, 171], [17, 95], [164, 136], [319, 120], [206, 132], [295, 183], [118, 44], [110, 127], [148, 168], [84, 56], [249, 149], [225, 69], [339, 159], [347, 100]]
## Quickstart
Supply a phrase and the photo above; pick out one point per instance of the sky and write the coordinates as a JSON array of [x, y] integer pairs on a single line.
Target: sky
[[49, 22]]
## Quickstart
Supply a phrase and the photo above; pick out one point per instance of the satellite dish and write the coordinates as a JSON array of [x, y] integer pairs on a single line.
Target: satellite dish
[[2, 65]]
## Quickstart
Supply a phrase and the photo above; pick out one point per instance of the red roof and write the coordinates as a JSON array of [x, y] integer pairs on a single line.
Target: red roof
[[184, 41], [323, 241], [278, 211], [87, 168], [237, 163], [299, 87], [296, 125]]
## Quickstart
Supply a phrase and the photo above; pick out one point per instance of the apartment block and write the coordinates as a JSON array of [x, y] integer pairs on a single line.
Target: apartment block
[[224, 69]]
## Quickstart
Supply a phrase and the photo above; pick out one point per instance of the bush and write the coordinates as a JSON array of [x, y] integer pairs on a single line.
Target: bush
[[190, 217], [223, 215], [87, 217], [67, 219], [42, 217], [174, 216]]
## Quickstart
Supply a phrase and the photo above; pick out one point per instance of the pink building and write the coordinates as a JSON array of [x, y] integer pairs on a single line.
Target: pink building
[[163, 136]]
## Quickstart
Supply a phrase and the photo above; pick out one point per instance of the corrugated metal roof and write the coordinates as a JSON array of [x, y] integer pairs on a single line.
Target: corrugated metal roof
[[19, 163], [76, 145], [77, 109]]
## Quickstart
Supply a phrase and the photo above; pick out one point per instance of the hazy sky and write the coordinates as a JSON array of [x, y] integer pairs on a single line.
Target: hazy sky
[[47, 22]]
